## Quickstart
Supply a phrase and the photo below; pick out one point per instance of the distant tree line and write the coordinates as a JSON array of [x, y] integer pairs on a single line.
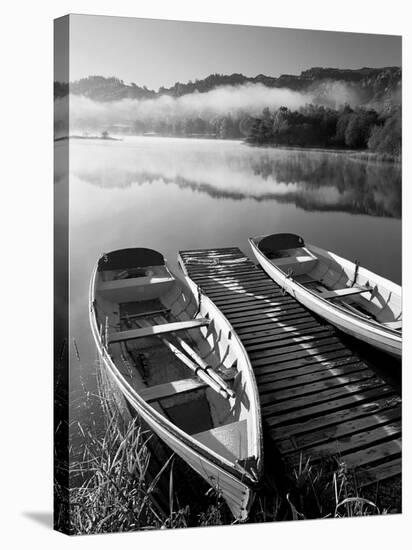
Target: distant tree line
[[100, 88], [371, 84], [318, 126], [228, 126], [310, 126]]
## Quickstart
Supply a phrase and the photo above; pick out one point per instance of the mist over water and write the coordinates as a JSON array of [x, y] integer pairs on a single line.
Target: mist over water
[[312, 180], [248, 99]]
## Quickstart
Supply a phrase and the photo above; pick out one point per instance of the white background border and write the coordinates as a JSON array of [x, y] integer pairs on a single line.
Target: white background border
[[26, 269]]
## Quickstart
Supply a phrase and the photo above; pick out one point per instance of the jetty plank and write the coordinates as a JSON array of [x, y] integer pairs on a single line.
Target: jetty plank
[[303, 378], [284, 339], [341, 354], [240, 290], [322, 396], [382, 451], [330, 405], [237, 299], [258, 305], [301, 326], [299, 390], [338, 431], [284, 314], [289, 319], [280, 374], [350, 444], [375, 474], [369, 408]]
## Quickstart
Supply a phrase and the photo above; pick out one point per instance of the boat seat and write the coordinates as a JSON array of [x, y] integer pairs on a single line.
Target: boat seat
[[293, 260], [344, 292], [296, 265], [169, 389], [136, 289], [148, 313], [116, 284], [229, 440], [156, 330]]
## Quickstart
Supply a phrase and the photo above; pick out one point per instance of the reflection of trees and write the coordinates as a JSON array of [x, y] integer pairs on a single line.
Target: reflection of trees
[[375, 200], [318, 180], [366, 187]]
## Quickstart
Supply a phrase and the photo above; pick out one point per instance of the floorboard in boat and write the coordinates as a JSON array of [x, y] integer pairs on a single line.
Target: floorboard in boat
[[318, 399]]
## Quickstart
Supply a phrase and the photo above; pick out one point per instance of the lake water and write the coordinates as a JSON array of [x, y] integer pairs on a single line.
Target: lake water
[[173, 194]]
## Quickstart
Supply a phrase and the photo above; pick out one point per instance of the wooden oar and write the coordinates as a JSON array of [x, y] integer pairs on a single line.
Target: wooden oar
[[197, 369], [207, 368], [196, 357]]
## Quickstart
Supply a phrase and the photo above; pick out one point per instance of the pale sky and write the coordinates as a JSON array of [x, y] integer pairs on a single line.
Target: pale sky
[[159, 53]]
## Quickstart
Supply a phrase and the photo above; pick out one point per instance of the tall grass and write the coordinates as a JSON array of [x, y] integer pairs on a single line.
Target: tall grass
[[120, 494], [116, 496], [327, 494], [120, 491]]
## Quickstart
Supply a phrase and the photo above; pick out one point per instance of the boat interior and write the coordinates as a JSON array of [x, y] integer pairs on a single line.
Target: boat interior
[[161, 341], [335, 279]]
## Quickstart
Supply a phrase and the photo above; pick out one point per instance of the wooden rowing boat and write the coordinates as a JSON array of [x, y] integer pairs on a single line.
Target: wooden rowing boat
[[352, 298], [178, 362]]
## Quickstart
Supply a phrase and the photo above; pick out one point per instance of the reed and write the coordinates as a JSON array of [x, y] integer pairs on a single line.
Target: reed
[[329, 493], [376, 157], [116, 494], [119, 494], [119, 491]]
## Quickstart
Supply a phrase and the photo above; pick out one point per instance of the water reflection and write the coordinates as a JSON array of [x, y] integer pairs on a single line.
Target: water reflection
[[311, 180]]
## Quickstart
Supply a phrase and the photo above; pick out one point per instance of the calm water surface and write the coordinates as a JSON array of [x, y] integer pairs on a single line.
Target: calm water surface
[[173, 194]]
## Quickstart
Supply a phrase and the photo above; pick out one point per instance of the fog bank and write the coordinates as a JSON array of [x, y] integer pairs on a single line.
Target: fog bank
[[249, 99]]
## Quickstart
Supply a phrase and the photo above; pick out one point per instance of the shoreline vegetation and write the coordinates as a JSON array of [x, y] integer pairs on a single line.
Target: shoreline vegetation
[[120, 492], [363, 154], [363, 133]]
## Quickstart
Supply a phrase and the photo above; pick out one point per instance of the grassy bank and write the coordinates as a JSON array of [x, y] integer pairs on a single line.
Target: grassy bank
[[376, 157], [360, 155], [121, 491]]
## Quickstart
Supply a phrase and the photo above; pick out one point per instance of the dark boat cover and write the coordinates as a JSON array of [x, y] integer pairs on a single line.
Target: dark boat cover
[[128, 258], [280, 241]]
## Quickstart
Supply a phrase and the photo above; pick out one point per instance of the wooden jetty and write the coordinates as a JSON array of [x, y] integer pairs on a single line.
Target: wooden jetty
[[319, 400]]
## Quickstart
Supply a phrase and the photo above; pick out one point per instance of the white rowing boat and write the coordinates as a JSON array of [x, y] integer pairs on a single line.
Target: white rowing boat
[[178, 362], [352, 298]]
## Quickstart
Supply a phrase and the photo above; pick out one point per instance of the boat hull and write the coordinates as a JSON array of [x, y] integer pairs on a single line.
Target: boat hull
[[348, 323], [235, 487]]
